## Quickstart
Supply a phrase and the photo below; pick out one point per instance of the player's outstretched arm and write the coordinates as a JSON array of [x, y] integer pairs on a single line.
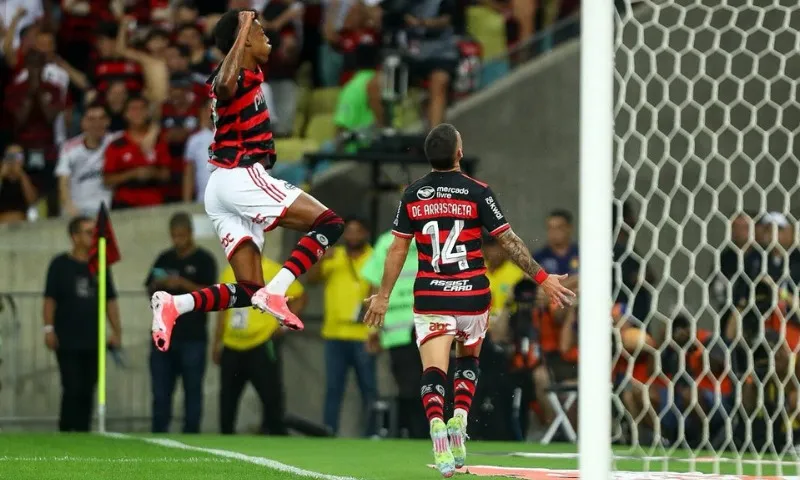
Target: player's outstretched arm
[[379, 303], [226, 82], [519, 254]]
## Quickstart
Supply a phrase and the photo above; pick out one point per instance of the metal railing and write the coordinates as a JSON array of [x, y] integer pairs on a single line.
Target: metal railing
[[30, 389]]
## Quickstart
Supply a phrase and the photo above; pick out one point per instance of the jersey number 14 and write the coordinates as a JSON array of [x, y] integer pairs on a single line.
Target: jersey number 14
[[449, 253]]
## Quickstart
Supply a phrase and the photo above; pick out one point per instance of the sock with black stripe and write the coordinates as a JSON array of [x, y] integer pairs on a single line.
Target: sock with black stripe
[[325, 231], [432, 393], [216, 297]]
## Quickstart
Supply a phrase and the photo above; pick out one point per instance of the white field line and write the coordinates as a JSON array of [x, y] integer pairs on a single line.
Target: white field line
[[260, 461], [67, 458]]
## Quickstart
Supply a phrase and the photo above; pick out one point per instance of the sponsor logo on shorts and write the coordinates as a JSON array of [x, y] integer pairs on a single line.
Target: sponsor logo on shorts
[[469, 375], [232, 289], [288, 186], [322, 239], [227, 240], [437, 327], [440, 390], [426, 193], [426, 389], [259, 219]]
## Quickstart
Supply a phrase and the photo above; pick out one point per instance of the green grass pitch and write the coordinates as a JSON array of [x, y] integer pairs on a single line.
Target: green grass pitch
[[209, 457]]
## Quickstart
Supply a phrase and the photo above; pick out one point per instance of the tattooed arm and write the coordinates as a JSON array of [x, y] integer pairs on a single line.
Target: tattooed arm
[[518, 252], [521, 256], [228, 76]]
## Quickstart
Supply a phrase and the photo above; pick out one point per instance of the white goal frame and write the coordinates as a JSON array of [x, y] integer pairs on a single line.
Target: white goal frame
[[595, 231]]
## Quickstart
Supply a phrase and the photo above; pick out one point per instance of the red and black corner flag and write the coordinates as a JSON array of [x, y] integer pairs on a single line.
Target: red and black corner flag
[[103, 229]]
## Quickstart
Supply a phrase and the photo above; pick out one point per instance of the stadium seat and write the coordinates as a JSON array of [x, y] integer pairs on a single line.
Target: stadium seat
[[323, 100], [489, 28], [300, 120], [320, 128], [291, 150]]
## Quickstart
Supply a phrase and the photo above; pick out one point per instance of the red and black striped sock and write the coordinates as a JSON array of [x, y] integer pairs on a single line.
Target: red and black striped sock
[[465, 382], [223, 296], [325, 231], [432, 393]]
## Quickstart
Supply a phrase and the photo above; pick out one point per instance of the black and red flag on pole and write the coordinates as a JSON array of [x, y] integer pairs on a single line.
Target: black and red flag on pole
[[103, 229]]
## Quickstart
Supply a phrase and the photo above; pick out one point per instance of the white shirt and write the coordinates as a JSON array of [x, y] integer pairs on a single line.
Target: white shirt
[[33, 12], [84, 167], [196, 153]]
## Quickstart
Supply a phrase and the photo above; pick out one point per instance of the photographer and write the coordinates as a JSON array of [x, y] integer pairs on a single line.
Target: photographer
[[17, 192]]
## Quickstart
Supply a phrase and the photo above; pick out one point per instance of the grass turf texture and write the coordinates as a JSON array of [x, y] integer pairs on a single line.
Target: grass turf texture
[[77, 456]]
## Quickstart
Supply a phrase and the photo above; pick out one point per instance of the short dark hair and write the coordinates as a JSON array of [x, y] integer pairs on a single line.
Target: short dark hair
[[181, 220], [359, 220], [195, 27], [107, 30], [679, 322], [95, 104], [74, 225], [227, 28], [441, 145], [136, 98], [561, 213]]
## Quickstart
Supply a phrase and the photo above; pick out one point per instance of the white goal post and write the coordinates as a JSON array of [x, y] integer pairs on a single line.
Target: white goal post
[[690, 113]]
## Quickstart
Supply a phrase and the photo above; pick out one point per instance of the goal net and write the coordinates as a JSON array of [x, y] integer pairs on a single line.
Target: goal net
[[706, 184]]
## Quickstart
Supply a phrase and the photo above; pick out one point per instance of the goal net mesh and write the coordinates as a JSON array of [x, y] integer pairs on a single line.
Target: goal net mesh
[[707, 124]]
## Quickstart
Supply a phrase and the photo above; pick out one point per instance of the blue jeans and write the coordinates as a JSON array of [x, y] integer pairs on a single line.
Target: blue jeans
[[187, 360], [340, 356]]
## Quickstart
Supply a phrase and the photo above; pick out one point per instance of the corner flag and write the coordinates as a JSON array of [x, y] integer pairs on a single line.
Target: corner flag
[[104, 253], [103, 230]]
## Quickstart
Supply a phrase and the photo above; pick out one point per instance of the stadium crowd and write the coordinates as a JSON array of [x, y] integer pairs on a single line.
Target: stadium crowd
[[106, 100]]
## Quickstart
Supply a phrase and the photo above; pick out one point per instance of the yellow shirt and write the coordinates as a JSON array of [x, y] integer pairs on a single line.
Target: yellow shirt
[[501, 283], [246, 328], [345, 292]]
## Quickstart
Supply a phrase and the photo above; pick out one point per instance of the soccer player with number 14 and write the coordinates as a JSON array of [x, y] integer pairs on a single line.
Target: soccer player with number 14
[[445, 212]]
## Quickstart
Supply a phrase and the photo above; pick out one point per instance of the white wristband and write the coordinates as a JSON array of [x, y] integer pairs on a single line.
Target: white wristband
[[48, 329]]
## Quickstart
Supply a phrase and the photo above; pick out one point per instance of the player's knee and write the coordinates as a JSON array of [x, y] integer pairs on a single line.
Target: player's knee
[[330, 225]]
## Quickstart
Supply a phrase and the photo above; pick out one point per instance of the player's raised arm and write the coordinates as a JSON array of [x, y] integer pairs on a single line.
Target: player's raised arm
[[228, 77]]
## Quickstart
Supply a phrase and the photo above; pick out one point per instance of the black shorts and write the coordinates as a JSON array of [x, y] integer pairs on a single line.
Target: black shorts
[[560, 369], [419, 71]]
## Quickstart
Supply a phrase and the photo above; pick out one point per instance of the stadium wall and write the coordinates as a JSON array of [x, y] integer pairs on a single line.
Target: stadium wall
[[29, 381]]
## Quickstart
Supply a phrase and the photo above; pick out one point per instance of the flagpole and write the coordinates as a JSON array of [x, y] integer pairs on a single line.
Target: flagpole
[[101, 333]]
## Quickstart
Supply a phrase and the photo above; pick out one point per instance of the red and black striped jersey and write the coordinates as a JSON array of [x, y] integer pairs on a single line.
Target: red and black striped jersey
[[243, 135], [109, 70], [445, 213]]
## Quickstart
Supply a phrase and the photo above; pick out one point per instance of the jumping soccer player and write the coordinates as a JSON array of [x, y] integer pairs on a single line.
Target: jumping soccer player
[[241, 198], [445, 212]]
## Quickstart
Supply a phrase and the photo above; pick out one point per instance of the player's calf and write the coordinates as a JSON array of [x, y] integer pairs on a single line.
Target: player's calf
[[325, 231], [466, 380]]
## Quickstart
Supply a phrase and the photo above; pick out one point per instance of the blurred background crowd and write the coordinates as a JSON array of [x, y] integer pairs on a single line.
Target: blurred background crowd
[[107, 100]]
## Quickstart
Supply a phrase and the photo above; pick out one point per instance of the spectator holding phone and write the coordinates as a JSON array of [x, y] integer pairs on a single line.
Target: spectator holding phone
[[17, 192]]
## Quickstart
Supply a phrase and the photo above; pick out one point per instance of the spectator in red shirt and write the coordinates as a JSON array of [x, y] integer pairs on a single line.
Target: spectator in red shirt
[[109, 67], [136, 164], [76, 29], [17, 192], [33, 105], [178, 121]]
